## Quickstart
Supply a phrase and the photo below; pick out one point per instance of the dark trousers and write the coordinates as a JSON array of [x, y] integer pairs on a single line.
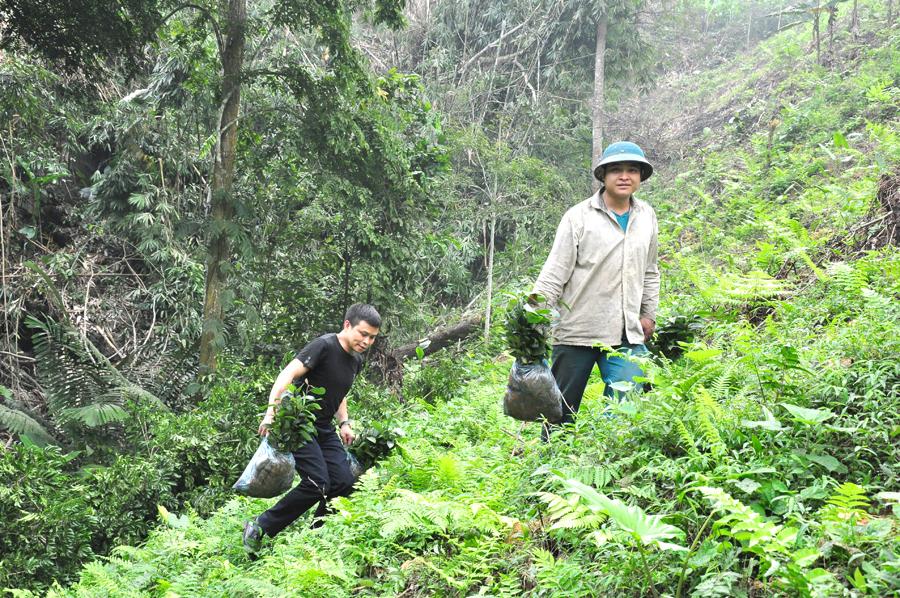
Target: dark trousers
[[572, 367], [324, 474]]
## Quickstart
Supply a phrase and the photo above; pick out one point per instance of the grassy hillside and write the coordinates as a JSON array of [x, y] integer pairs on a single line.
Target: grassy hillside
[[764, 459]]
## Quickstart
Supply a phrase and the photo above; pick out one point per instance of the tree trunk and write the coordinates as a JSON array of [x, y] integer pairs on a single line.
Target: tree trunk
[[348, 266], [749, 26], [832, 17], [220, 198], [854, 19], [597, 105], [890, 13], [490, 279], [817, 36]]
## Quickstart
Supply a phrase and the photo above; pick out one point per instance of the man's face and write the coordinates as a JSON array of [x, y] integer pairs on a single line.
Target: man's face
[[622, 179], [360, 336]]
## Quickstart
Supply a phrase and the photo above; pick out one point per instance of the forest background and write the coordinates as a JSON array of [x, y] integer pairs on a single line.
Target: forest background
[[193, 191]]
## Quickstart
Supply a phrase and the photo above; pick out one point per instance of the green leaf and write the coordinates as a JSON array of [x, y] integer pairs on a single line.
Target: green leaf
[[703, 355], [648, 529], [22, 424], [805, 556], [840, 140], [857, 580], [828, 462], [770, 423], [622, 386], [95, 415], [747, 485], [808, 416]]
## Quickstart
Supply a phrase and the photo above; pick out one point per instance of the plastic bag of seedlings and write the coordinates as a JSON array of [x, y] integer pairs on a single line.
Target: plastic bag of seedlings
[[269, 473], [355, 468], [532, 394]]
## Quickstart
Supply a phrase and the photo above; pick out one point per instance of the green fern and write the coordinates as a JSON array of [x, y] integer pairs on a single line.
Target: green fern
[[83, 388], [851, 498], [645, 529], [569, 512], [594, 392], [597, 476], [775, 545], [720, 387], [708, 413], [687, 439], [849, 279], [22, 424]]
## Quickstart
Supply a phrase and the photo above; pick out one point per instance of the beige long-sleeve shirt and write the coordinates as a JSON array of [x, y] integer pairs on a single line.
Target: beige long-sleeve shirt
[[602, 279]]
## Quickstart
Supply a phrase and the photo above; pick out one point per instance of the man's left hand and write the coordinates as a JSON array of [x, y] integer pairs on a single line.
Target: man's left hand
[[347, 434], [649, 326]]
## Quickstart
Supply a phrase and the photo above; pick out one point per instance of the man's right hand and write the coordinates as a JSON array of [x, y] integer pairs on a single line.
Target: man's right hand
[[267, 421]]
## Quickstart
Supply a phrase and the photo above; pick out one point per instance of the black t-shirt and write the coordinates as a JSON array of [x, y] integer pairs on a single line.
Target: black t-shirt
[[331, 368]]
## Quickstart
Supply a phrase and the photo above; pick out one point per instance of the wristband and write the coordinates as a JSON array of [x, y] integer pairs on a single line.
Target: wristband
[[341, 425]]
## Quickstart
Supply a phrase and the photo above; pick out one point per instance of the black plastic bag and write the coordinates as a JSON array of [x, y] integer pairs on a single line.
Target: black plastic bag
[[532, 394], [269, 473]]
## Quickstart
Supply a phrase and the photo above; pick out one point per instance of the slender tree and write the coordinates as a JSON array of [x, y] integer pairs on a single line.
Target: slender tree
[[597, 100], [220, 188]]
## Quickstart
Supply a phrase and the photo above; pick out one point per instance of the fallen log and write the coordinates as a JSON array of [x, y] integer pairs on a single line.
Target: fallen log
[[441, 337], [386, 364]]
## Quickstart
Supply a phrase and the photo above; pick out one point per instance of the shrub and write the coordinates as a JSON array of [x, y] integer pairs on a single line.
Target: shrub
[[46, 520], [437, 378]]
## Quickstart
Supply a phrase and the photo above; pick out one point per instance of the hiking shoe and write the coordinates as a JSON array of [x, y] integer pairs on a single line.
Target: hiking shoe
[[253, 535]]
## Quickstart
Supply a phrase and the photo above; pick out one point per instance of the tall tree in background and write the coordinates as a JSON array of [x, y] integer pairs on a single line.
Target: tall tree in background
[[597, 100], [618, 49], [331, 20], [231, 51]]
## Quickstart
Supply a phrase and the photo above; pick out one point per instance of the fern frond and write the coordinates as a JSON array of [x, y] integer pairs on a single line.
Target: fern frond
[[850, 280], [721, 384], [22, 424], [94, 415], [850, 497], [597, 476], [687, 439], [708, 413], [83, 388], [647, 493], [569, 512], [594, 392], [67, 372]]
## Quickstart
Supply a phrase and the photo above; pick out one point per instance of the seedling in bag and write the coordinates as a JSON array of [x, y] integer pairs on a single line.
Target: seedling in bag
[[531, 393], [528, 329], [294, 420], [270, 471]]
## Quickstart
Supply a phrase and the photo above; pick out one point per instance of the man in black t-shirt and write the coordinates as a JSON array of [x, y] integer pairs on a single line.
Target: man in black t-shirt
[[330, 362]]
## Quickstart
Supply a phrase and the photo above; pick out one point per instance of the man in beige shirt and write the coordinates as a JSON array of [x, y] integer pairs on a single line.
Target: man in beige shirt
[[602, 275]]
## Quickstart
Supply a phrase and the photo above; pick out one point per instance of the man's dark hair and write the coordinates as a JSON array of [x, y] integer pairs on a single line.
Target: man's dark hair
[[363, 312]]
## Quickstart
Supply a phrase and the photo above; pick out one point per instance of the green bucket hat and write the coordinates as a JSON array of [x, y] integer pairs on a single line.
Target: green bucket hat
[[623, 151]]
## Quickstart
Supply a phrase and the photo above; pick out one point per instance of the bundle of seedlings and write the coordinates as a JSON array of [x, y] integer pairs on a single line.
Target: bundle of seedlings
[[531, 393], [373, 445], [270, 471]]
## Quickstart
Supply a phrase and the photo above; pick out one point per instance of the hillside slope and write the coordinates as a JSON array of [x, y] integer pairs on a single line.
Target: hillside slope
[[762, 462]]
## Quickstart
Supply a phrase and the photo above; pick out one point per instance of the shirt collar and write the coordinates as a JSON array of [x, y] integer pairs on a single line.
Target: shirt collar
[[599, 204]]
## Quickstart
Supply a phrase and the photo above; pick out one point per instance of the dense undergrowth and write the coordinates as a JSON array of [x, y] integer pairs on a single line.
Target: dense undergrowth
[[762, 460]]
